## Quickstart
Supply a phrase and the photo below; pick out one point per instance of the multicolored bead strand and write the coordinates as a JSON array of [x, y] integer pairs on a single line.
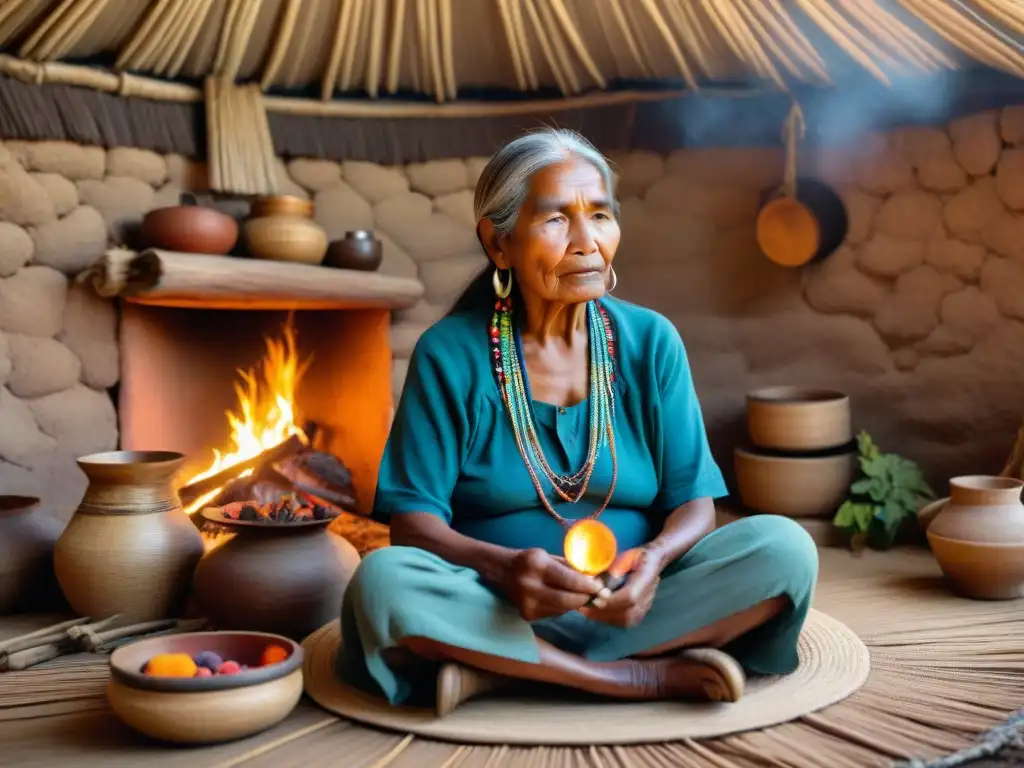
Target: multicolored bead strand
[[508, 372]]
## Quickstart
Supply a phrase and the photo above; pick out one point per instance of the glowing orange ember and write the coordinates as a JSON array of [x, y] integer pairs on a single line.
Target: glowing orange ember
[[590, 547], [266, 414]]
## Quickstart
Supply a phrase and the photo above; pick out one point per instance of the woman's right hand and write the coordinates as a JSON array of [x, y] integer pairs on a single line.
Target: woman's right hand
[[542, 586]]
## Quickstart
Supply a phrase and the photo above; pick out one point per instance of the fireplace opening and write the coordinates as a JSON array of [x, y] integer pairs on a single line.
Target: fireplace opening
[[263, 404]]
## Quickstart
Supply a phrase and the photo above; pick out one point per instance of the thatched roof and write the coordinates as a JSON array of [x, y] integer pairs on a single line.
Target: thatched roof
[[446, 47]]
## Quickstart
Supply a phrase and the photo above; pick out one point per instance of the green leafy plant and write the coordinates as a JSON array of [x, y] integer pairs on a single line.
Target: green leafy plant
[[885, 494]]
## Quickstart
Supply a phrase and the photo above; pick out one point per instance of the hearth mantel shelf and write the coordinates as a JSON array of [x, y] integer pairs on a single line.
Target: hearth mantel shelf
[[187, 280]]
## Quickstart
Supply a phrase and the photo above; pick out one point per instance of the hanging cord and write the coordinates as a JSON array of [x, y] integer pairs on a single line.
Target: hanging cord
[[793, 130]]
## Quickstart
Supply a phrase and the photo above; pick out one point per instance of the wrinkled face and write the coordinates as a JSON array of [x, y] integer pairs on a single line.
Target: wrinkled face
[[565, 238]]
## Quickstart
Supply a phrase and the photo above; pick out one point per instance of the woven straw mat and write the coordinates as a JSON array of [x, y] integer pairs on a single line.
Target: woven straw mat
[[834, 663]]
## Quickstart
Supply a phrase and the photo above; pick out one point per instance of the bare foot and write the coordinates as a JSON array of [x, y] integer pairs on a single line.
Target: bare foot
[[722, 677], [698, 673], [457, 683]]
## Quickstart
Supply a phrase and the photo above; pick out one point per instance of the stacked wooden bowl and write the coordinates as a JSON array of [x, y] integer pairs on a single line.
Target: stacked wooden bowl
[[802, 458]]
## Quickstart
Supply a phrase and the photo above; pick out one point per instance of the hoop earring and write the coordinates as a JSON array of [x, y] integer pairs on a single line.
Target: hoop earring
[[615, 280], [501, 291]]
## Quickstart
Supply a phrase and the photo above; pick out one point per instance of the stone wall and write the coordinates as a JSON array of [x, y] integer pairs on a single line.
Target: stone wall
[[919, 316]]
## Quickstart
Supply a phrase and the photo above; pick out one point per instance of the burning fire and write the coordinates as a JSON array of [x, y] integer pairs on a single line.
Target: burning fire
[[266, 411]]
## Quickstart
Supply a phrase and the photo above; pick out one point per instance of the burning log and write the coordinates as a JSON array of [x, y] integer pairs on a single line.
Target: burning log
[[189, 493], [319, 474]]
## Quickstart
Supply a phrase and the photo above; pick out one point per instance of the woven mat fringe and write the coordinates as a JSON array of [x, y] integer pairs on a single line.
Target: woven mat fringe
[[990, 743]]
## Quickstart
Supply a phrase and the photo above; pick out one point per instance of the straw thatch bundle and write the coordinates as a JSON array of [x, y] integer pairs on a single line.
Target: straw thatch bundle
[[437, 47], [443, 47]]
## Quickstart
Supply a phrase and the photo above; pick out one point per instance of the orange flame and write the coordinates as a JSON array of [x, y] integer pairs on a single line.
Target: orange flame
[[266, 414]]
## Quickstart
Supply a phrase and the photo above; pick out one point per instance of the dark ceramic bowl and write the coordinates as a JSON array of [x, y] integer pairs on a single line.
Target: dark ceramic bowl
[[358, 250], [127, 662]]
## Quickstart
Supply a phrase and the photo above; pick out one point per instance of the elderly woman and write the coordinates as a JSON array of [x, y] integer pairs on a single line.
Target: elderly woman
[[542, 404]]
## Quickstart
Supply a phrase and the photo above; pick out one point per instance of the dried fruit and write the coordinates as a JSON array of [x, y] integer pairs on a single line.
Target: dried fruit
[[171, 665], [208, 659], [273, 654], [229, 668]]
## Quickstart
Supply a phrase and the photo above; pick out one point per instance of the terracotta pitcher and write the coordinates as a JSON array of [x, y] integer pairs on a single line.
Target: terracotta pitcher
[[26, 554], [129, 547], [977, 535]]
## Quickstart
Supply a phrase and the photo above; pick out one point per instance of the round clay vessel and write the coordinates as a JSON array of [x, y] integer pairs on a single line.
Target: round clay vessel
[[798, 419], [357, 250], [27, 537], [286, 578], [281, 228], [189, 228], [982, 509], [129, 547], [794, 486], [977, 536], [205, 710]]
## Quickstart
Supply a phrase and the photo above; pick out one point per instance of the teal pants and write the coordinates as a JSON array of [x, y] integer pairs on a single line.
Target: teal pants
[[400, 592]]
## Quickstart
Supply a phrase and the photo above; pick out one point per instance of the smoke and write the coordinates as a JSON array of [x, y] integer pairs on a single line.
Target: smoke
[[854, 105], [840, 114]]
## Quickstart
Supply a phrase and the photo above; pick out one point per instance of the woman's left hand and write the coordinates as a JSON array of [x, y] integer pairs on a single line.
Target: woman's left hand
[[627, 606]]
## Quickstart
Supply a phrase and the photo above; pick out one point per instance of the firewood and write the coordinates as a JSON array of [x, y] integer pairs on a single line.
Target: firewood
[[193, 491], [164, 278], [319, 474]]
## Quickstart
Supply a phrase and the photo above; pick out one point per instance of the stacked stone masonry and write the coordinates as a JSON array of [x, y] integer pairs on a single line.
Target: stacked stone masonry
[[919, 315]]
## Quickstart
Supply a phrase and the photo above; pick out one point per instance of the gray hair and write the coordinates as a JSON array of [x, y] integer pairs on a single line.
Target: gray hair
[[505, 181]]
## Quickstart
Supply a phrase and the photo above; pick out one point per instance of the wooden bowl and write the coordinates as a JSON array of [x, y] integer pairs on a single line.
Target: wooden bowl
[[794, 486], [980, 571], [798, 419], [285, 238], [205, 710]]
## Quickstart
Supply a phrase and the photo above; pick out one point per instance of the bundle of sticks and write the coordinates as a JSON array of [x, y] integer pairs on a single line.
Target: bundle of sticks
[[83, 635]]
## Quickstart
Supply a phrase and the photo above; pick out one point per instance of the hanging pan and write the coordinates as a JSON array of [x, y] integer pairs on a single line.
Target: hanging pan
[[804, 220]]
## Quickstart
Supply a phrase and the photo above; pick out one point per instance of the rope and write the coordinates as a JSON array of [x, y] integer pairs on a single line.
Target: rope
[[1010, 734], [793, 131]]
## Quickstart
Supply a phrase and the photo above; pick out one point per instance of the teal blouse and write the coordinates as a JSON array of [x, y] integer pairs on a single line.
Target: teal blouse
[[452, 452]]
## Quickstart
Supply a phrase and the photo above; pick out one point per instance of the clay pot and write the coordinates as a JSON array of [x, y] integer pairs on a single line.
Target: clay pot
[[281, 228], [285, 578], [978, 537], [794, 486], [281, 205], [798, 419], [26, 555], [129, 547], [357, 250], [189, 228]]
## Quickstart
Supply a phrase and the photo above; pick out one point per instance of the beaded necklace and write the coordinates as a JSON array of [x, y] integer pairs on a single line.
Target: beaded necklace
[[508, 371]]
